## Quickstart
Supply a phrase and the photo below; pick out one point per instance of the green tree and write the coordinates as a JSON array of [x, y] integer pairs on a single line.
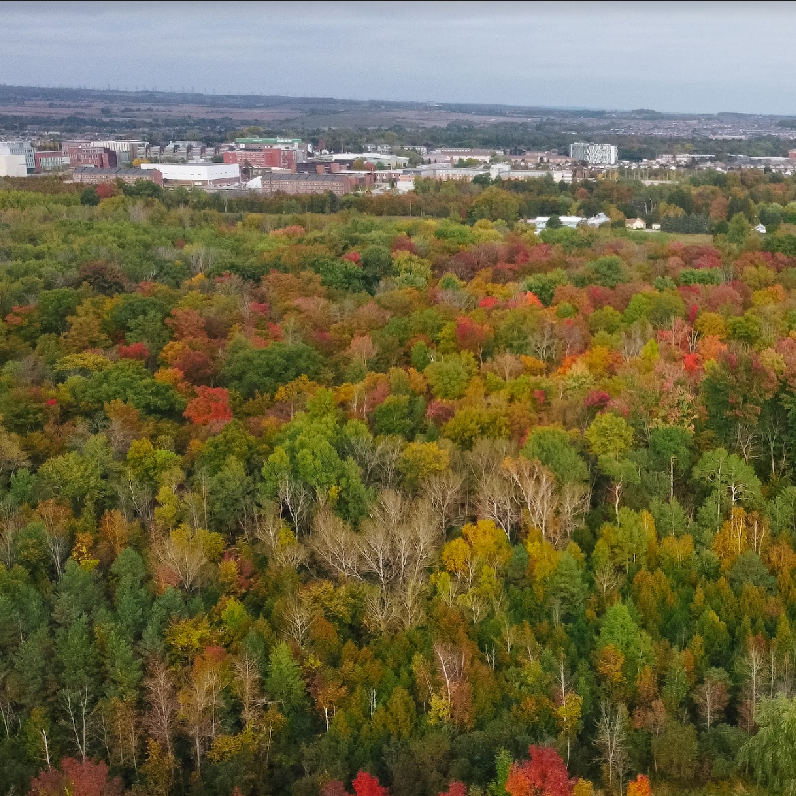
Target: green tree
[[769, 753]]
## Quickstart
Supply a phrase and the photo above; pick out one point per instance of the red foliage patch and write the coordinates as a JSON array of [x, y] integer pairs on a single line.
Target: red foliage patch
[[210, 408]]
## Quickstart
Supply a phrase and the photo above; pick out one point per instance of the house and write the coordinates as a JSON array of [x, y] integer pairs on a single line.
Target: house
[[635, 223], [761, 229]]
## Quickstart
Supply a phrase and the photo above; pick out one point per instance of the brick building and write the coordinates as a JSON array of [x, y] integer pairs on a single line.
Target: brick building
[[338, 184], [94, 176], [50, 160], [97, 156], [272, 158]]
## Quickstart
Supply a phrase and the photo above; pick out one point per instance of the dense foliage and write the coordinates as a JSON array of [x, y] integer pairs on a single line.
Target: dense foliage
[[315, 503]]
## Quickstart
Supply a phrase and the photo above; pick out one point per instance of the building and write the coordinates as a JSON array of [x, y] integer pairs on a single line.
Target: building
[[24, 148], [95, 176], [301, 149], [339, 184], [13, 166], [573, 222], [199, 173], [455, 154], [792, 154], [386, 161], [50, 160], [271, 158], [182, 151], [126, 151], [595, 154], [88, 155], [635, 223]]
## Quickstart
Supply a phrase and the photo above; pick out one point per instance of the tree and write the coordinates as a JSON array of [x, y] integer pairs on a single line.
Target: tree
[[676, 749], [84, 778], [89, 196], [210, 408], [768, 753], [250, 370], [611, 742], [365, 784], [544, 774]]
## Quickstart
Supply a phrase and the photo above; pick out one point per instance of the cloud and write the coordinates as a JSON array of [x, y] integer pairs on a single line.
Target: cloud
[[668, 56]]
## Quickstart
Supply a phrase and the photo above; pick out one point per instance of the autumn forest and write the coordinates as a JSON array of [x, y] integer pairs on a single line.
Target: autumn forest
[[392, 495]]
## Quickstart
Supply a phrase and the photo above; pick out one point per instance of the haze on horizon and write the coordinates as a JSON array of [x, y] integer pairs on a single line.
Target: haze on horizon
[[686, 57]]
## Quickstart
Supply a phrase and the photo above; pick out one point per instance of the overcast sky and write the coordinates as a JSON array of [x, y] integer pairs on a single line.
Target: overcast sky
[[666, 56]]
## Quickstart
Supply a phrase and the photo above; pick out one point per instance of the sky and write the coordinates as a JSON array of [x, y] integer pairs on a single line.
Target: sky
[[687, 57]]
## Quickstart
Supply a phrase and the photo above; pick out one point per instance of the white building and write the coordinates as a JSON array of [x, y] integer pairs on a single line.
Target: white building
[[597, 154], [635, 223], [540, 222], [199, 173], [391, 161], [24, 148], [13, 166]]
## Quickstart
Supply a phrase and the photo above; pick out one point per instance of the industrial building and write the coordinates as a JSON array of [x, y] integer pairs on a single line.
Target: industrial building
[[196, 174], [594, 154]]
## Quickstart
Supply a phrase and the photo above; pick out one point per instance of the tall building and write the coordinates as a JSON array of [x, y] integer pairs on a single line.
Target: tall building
[[597, 154]]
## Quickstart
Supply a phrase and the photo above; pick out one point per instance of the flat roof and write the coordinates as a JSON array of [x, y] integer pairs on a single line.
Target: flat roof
[[115, 170], [304, 176]]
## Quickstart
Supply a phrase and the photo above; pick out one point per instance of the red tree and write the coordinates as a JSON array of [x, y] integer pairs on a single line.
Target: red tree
[[84, 778], [545, 774], [134, 351], [471, 336], [210, 408], [367, 785]]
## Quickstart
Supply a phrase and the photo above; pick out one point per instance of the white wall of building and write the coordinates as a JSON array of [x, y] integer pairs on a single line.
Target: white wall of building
[[13, 166], [196, 172]]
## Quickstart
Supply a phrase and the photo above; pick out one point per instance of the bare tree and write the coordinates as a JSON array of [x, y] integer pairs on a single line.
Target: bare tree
[[280, 544], [182, 551], [450, 666], [161, 696], [444, 492], [711, 698], [77, 704], [246, 683], [335, 545], [536, 487], [496, 500], [54, 515], [200, 702], [297, 619], [612, 743]]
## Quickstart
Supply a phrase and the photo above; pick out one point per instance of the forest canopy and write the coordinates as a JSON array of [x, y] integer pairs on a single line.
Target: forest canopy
[[391, 494]]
